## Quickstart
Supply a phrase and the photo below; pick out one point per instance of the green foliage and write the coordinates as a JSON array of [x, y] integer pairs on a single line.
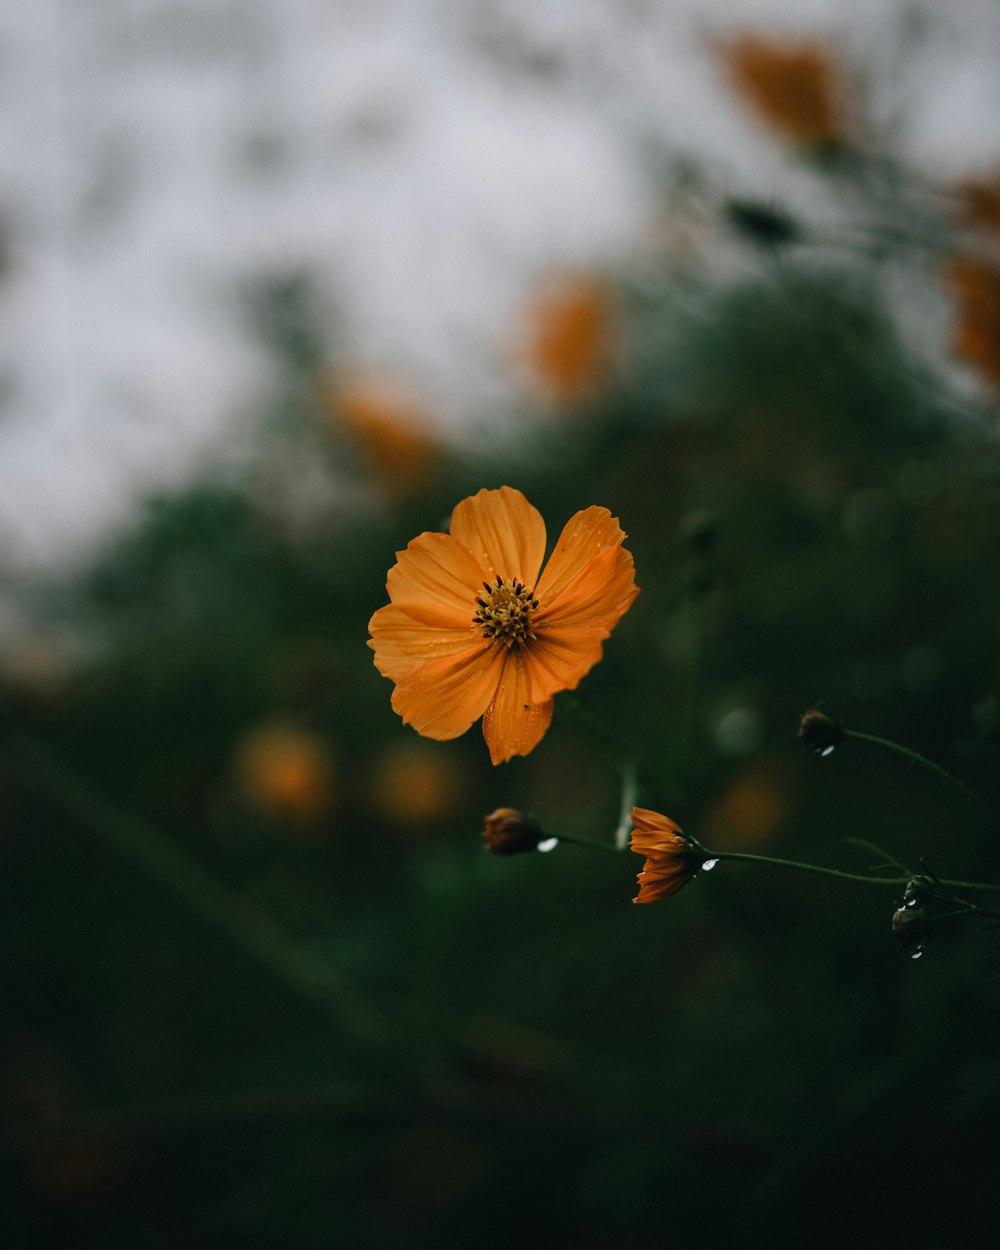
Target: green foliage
[[809, 517]]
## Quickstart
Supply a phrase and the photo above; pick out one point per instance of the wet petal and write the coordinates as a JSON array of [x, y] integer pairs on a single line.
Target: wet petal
[[400, 642], [503, 532], [515, 722], [598, 595], [559, 659], [584, 536], [660, 881], [443, 697], [645, 819], [656, 835], [435, 580]]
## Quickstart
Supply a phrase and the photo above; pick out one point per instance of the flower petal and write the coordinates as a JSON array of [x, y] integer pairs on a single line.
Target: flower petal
[[443, 697], [645, 819], [560, 659], [584, 536], [400, 642], [514, 724], [598, 597], [436, 580], [659, 880], [504, 533], [655, 834]]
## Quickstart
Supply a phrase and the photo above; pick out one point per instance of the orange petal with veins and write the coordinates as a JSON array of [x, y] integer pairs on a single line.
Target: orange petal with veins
[[584, 536], [597, 597], [504, 533], [443, 697], [560, 659], [514, 724], [436, 580], [400, 642]]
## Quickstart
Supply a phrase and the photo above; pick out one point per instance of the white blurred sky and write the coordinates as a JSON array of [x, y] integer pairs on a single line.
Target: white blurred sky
[[423, 170]]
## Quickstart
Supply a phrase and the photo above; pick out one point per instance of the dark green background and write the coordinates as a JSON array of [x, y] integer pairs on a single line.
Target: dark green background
[[534, 1060]]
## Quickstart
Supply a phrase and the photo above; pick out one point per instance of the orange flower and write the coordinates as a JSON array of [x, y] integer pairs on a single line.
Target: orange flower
[[671, 859], [415, 784], [569, 337], [975, 286], [473, 630], [793, 86], [979, 201], [750, 811], [388, 426], [286, 773]]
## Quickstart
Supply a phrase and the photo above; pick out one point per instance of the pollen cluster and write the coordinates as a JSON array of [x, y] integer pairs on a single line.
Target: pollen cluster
[[504, 611]]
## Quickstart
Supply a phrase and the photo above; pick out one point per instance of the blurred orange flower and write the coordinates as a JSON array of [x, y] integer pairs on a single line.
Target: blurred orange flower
[[751, 810], [473, 630], [671, 860], [569, 335], [979, 200], [388, 426], [975, 287], [286, 773], [416, 785], [794, 86]]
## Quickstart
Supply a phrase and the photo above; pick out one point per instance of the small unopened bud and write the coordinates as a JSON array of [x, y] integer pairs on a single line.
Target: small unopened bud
[[819, 730], [919, 890], [508, 832], [912, 926]]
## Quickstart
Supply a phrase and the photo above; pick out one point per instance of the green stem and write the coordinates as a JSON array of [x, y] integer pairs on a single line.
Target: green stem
[[836, 872], [589, 842], [799, 867], [890, 860], [627, 803], [916, 758], [970, 909]]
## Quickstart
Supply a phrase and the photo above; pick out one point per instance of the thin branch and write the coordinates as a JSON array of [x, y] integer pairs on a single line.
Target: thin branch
[[923, 762]]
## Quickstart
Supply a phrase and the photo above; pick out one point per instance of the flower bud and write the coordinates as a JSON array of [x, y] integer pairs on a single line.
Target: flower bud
[[819, 730], [919, 890], [508, 832], [912, 926]]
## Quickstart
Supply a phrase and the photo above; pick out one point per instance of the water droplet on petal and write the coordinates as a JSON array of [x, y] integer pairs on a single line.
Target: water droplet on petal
[[549, 844], [709, 864]]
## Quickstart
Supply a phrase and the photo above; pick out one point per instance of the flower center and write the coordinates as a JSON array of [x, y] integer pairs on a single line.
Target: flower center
[[504, 611]]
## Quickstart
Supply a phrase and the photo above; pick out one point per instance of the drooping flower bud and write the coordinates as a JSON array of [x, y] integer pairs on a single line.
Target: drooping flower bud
[[508, 832], [919, 890], [672, 860], [912, 926], [819, 730]]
